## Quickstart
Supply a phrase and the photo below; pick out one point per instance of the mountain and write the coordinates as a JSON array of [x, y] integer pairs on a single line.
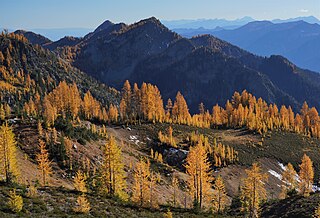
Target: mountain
[[298, 41], [211, 24], [309, 19], [34, 38], [206, 23]]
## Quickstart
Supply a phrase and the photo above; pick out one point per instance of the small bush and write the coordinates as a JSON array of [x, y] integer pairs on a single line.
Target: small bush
[[15, 202]]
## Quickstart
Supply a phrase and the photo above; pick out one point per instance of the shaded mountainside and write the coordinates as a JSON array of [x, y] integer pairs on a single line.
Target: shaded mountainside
[[45, 69], [293, 207], [204, 68], [33, 38]]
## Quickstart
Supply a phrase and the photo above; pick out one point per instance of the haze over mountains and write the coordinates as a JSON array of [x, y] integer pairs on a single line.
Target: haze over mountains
[[226, 24], [205, 69], [299, 41]]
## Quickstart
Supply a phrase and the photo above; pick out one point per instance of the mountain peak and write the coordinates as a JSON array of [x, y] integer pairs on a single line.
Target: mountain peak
[[106, 24]]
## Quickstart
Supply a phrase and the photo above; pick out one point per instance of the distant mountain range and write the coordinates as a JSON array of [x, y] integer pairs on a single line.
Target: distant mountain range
[[298, 41], [226, 24], [204, 68]]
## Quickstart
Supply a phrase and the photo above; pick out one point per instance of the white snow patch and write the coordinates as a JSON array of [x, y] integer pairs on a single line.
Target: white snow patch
[[133, 137], [282, 166], [315, 188], [275, 174]]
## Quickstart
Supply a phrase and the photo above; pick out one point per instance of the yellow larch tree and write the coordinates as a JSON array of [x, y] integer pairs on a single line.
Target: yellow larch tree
[[198, 169], [180, 111], [175, 186], [44, 164], [306, 175], [8, 159], [220, 196], [253, 191], [141, 183], [79, 182], [289, 178], [83, 205], [113, 175]]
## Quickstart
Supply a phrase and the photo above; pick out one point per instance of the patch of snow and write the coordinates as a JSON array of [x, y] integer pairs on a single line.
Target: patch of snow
[[315, 188], [275, 174], [133, 137], [148, 139], [282, 166], [136, 142]]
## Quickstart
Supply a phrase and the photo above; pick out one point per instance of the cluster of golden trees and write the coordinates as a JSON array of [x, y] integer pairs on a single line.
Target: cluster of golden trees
[[167, 138], [243, 110], [221, 155], [65, 100], [146, 103]]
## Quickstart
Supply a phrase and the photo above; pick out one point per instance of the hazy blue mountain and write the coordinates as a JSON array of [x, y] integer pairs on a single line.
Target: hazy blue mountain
[[309, 19], [227, 24], [206, 23], [298, 41]]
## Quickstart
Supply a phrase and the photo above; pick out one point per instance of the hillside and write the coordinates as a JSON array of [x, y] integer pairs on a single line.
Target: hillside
[[23, 60]]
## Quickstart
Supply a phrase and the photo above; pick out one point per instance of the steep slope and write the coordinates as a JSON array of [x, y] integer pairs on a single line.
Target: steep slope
[[300, 84], [44, 68], [113, 56], [205, 72]]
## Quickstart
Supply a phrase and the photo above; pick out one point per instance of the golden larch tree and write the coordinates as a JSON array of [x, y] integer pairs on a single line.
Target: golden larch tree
[[8, 159], [79, 182], [220, 196], [113, 175], [289, 178], [44, 164], [141, 182], [175, 186], [198, 169], [83, 205], [306, 175], [253, 191]]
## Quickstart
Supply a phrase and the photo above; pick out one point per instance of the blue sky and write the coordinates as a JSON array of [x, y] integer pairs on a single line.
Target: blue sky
[[30, 14]]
